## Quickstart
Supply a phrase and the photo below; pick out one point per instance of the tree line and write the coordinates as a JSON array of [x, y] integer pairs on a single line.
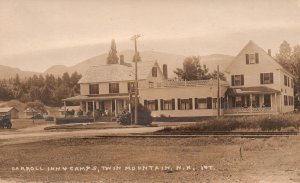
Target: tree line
[[48, 89]]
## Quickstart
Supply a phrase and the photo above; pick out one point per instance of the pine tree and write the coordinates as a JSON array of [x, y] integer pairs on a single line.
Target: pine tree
[[112, 57], [284, 55]]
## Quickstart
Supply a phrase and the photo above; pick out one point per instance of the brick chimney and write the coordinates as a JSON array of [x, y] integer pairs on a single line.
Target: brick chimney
[[269, 52], [165, 70], [121, 59]]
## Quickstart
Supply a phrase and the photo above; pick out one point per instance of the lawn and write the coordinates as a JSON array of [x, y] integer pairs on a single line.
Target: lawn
[[262, 160], [25, 123]]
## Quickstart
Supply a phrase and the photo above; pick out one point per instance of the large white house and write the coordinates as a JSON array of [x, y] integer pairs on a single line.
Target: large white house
[[256, 84]]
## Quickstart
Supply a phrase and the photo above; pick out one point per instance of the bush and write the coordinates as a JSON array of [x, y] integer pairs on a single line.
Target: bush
[[144, 116]]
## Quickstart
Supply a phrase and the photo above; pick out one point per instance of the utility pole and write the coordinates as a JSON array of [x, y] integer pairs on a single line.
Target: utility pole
[[134, 38], [218, 92]]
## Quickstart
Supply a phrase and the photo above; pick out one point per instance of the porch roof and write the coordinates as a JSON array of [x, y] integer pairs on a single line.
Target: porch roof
[[248, 90], [96, 97]]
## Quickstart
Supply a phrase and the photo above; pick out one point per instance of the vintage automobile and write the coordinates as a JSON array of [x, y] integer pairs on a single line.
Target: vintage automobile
[[5, 122]]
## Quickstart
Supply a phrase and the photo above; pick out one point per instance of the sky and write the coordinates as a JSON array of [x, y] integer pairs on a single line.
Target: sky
[[35, 34]]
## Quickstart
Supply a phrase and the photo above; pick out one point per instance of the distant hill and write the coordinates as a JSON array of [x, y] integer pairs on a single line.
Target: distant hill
[[9, 72], [172, 60]]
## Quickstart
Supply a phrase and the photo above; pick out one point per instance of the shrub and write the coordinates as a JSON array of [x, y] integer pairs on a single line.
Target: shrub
[[144, 116]]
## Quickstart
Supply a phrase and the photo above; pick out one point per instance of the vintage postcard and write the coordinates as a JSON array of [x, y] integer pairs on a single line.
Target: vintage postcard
[[150, 91]]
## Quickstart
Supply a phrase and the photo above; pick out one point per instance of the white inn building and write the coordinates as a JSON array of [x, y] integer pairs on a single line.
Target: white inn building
[[256, 84]]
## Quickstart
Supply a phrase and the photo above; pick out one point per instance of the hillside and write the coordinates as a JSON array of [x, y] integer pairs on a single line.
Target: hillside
[[9, 72], [172, 60]]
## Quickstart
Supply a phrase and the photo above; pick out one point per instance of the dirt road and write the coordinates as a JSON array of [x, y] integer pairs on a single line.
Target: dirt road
[[37, 133]]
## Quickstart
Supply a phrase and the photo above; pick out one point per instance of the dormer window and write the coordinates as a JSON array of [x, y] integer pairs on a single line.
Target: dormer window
[[252, 58], [94, 89], [113, 87], [154, 71]]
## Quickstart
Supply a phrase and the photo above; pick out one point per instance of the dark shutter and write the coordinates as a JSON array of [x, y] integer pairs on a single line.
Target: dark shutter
[[247, 58], [196, 103], [271, 78], [256, 58], [179, 104], [261, 78], [191, 103], [145, 103], [232, 80], [242, 79], [209, 103], [173, 104], [156, 105], [161, 104]]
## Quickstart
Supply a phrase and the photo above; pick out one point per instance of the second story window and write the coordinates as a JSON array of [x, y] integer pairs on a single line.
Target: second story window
[[130, 87], [252, 58], [237, 80], [266, 78], [154, 71], [113, 87], [94, 89]]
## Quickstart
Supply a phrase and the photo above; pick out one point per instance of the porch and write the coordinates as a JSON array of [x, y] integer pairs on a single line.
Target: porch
[[101, 108], [252, 101]]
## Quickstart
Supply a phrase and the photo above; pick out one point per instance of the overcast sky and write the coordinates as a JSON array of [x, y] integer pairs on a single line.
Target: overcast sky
[[30, 28]]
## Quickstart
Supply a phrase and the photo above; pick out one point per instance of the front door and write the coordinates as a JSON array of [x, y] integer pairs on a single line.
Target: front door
[[267, 100]]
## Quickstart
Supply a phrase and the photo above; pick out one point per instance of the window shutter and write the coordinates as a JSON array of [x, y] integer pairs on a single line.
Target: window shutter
[[161, 104], [209, 103], [247, 58], [179, 104], [271, 77], [173, 104], [145, 103], [256, 58], [242, 80], [261, 78], [232, 80], [191, 103], [196, 103], [156, 105]]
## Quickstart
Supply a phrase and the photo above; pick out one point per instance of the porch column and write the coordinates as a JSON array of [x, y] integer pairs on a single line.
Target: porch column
[[251, 102], [116, 108], [86, 106], [64, 109], [94, 109], [81, 105], [275, 102], [227, 102]]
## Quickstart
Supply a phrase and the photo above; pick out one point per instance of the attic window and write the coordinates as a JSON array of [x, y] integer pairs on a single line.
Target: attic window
[[113, 87], [252, 58], [94, 89], [154, 71]]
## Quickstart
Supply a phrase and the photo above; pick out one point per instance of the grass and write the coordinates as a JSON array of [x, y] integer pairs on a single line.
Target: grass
[[287, 122]]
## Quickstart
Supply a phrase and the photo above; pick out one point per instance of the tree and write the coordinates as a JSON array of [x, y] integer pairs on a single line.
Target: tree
[[192, 70], [112, 57], [38, 106], [284, 55]]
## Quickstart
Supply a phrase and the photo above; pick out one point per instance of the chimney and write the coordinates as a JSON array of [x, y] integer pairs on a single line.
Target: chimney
[[121, 59], [269, 52], [165, 70]]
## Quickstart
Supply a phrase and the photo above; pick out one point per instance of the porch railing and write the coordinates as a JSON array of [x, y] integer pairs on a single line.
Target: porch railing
[[249, 110]]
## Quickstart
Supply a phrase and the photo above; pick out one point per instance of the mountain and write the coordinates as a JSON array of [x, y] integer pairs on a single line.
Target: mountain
[[172, 60], [9, 72]]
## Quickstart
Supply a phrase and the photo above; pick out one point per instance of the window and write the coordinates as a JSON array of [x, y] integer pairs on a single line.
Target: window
[[154, 71], [152, 105], [151, 84], [266, 78], [292, 83], [285, 100], [185, 104], [200, 103], [255, 101], [94, 89], [252, 58], [288, 81], [238, 101], [290, 100], [130, 87], [167, 104], [113, 87], [237, 80], [285, 80]]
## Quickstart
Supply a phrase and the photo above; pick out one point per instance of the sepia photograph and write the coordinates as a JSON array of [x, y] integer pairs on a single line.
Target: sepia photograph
[[146, 91]]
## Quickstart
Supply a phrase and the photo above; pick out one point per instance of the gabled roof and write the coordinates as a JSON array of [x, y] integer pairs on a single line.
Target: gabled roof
[[117, 72], [7, 109], [254, 45]]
